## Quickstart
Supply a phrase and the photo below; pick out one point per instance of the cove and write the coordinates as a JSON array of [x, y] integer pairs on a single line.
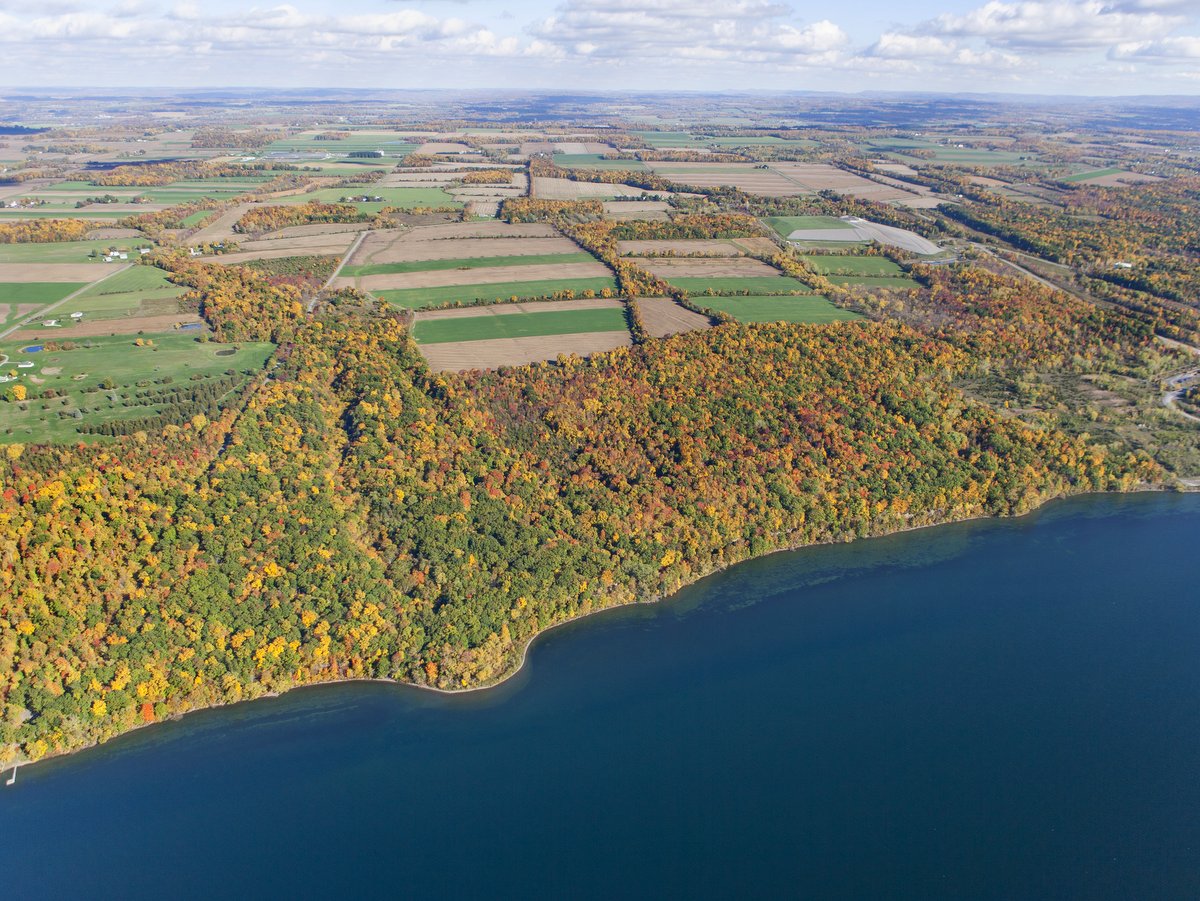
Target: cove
[[994, 709]]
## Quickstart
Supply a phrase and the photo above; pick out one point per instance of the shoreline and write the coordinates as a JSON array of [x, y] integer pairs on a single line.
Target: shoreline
[[1182, 486]]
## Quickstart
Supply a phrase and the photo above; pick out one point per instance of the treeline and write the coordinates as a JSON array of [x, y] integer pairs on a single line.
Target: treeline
[[262, 219], [44, 231]]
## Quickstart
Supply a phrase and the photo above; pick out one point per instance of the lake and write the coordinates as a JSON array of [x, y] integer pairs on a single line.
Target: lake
[[995, 709]]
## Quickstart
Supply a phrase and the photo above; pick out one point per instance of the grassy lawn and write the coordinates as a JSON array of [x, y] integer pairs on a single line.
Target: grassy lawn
[[419, 298], [765, 284], [898, 284], [67, 251], [468, 263], [785, 225], [520, 325], [813, 308], [76, 375], [854, 265], [37, 292]]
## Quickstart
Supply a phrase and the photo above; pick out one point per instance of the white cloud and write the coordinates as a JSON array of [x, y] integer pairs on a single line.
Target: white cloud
[[745, 31], [1055, 26], [1165, 50]]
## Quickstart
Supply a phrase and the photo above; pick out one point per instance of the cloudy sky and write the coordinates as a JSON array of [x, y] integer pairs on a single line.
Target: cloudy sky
[[1058, 46]]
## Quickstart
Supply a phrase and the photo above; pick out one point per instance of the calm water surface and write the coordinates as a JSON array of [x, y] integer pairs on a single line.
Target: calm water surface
[[989, 710]]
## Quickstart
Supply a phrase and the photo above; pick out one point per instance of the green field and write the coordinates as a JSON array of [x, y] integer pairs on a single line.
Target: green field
[[67, 251], [465, 263], [765, 284], [785, 225], [135, 278], [854, 265], [1095, 173], [37, 292], [594, 161], [391, 143], [419, 298], [520, 325], [197, 218], [898, 284], [814, 309], [177, 357]]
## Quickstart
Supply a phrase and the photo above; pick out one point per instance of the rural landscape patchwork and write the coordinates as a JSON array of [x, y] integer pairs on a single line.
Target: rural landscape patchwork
[[300, 391]]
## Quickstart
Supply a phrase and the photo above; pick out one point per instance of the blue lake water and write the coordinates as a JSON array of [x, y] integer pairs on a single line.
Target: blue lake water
[[999, 709]]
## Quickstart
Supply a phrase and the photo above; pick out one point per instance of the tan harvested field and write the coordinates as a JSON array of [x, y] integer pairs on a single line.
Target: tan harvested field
[[490, 275], [1120, 180], [478, 239], [221, 228], [302, 244], [504, 309], [895, 168], [757, 245], [97, 234], [565, 189], [304, 231], [651, 210], [764, 182], [484, 230], [700, 267], [275, 253], [463, 356], [717, 247], [53, 272], [662, 316], [98, 327], [813, 177], [423, 178], [435, 147]]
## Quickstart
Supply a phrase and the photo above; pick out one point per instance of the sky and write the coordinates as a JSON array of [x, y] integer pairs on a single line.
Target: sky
[[1053, 47]]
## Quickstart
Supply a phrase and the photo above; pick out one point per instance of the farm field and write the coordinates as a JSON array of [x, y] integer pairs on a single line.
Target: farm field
[[67, 251], [662, 317], [402, 198], [38, 293], [1110, 178], [762, 285], [764, 308], [717, 247], [417, 298], [506, 323], [706, 267], [867, 281], [566, 189], [594, 161], [77, 375], [460, 240], [140, 299], [516, 334], [784, 226], [544, 259], [830, 264]]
